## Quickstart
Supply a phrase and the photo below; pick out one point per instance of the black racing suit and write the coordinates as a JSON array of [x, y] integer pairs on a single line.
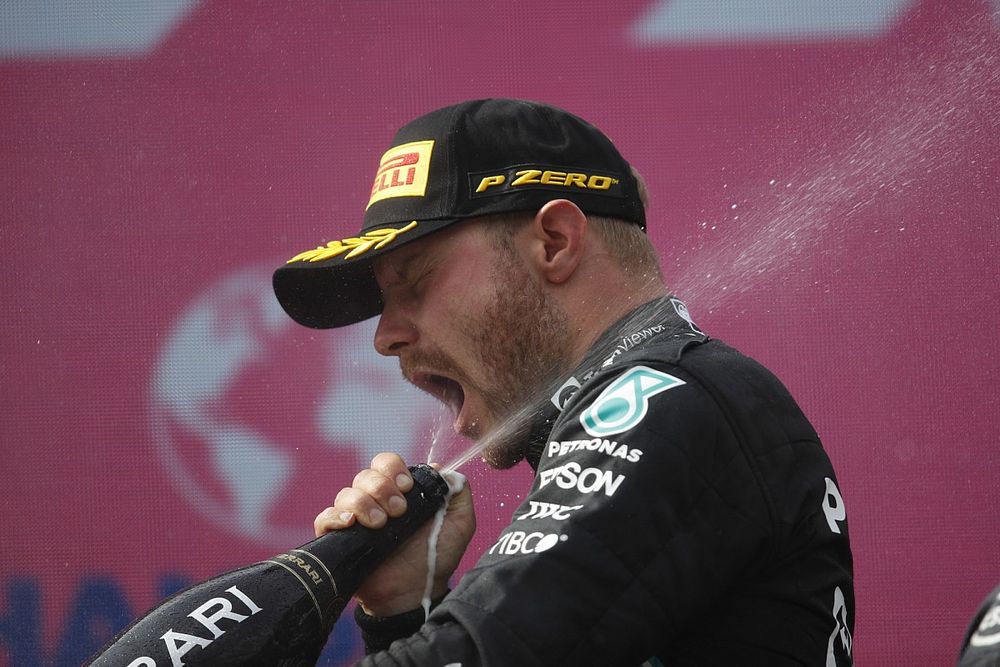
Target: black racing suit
[[981, 647], [683, 512]]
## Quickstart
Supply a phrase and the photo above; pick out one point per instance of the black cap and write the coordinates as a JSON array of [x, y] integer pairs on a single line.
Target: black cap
[[472, 159]]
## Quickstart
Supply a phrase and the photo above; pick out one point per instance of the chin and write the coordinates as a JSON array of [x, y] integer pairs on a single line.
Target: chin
[[502, 437], [503, 456], [505, 446]]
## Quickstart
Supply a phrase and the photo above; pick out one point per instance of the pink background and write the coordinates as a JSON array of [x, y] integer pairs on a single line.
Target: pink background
[[825, 181]]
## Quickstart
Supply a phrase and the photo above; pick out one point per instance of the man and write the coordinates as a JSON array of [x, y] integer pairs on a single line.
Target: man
[[683, 510]]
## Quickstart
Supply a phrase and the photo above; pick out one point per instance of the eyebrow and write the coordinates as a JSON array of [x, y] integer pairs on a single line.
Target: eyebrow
[[400, 266]]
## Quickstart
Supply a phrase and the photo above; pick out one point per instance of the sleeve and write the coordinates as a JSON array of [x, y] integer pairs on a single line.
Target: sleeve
[[643, 512], [981, 647], [378, 632]]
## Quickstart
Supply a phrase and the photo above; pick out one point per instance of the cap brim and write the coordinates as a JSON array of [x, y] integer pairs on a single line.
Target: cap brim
[[324, 293], [323, 297]]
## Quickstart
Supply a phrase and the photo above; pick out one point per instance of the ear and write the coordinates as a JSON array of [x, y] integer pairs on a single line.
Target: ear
[[558, 230]]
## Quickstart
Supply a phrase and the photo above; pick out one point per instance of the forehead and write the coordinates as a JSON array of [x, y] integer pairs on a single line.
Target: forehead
[[454, 242], [401, 256]]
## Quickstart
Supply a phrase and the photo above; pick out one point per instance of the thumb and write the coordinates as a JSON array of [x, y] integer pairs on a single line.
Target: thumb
[[460, 503]]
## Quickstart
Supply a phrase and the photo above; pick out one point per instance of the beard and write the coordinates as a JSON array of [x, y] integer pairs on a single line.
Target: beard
[[519, 341], [523, 339]]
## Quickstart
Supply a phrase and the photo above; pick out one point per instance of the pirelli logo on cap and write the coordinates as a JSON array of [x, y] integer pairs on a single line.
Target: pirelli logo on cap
[[542, 177], [402, 172]]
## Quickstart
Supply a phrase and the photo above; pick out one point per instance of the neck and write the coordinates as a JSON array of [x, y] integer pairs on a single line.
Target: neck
[[598, 301]]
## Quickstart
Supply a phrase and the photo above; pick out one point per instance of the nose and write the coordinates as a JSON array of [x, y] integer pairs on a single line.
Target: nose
[[394, 332]]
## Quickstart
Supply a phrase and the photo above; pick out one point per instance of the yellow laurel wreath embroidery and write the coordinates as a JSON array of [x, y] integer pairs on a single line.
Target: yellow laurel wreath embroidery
[[356, 245]]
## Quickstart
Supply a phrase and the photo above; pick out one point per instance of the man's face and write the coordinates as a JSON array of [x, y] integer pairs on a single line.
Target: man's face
[[473, 327]]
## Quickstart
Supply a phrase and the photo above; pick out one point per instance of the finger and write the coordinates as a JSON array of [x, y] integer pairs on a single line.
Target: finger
[[383, 490], [365, 508], [461, 500], [393, 467], [332, 518]]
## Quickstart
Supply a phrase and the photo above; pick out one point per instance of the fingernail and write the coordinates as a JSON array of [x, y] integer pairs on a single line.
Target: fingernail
[[345, 516], [376, 516], [403, 482], [397, 505]]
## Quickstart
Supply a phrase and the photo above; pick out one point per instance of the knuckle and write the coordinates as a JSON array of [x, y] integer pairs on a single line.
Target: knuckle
[[349, 498], [323, 521], [380, 487], [387, 461]]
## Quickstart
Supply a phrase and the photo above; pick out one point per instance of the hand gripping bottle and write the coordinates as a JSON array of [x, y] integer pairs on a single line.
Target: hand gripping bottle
[[278, 612]]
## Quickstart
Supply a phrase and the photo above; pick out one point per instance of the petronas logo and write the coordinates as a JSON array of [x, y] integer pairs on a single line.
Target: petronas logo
[[624, 403]]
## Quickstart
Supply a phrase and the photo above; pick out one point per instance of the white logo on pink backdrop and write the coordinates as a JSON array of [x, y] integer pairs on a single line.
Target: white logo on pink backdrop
[[768, 20], [207, 401], [73, 28]]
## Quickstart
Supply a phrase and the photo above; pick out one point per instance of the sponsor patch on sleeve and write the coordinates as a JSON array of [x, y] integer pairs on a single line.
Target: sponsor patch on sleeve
[[519, 542]]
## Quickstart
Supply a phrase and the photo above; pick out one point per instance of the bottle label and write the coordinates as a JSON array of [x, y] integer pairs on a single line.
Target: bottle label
[[317, 580], [213, 619]]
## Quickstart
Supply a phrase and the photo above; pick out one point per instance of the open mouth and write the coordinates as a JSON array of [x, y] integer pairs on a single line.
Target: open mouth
[[443, 388]]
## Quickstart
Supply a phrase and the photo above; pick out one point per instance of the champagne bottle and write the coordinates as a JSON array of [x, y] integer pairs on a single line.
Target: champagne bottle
[[278, 612]]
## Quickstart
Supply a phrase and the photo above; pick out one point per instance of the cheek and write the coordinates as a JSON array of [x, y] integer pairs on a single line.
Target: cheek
[[467, 291]]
